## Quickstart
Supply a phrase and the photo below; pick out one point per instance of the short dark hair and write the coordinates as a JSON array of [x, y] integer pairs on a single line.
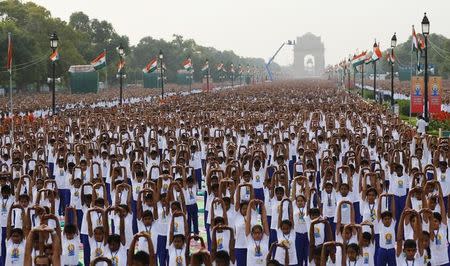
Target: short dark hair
[[223, 257], [115, 238], [437, 216], [70, 229], [367, 236], [314, 212], [386, 214], [353, 246], [142, 257], [409, 243], [5, 189], [18, 231]]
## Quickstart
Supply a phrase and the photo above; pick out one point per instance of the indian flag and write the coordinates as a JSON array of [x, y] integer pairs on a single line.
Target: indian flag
[[414, 41], [151, 66], [120, 65], [376, 53], [368, 58], [54, 56], [205, 67], [359, 59], [390, 56], [100, 61], [232, 68], [187, 64]]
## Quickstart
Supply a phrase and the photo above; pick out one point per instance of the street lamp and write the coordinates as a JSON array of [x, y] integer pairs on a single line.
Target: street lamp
[[426, 32], [375, 74], [207, 74], [121, 54], [393, 44], [161, 57], [232, 74], [348, 71], [53, 45]]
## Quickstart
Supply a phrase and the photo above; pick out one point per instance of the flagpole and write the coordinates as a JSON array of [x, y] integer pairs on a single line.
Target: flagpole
[[106, 72], [362, 80], [410, 85], [11, 90]]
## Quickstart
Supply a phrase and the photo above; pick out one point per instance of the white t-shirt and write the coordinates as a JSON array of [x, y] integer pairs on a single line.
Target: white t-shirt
[[387, 235], [223, 240], [119, 257], [239, 229], [70, 251], [98, 249], [257, 250], [421, 126], [289, 241], [258, 178], [328, 204], [402, 261], [345, 209], [438, 246], [15, 253], [190, 195], [177, 256], [300, 225], [142, 241], [368, 255]]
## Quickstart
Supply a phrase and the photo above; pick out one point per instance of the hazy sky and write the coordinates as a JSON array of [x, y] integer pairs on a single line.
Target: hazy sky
[[258, 27]]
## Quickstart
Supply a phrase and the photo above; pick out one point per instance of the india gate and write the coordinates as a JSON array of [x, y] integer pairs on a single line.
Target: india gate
[[309, 60]]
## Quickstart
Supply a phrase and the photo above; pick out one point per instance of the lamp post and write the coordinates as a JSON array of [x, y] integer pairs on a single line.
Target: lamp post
[[161, 57], [362, 79], [207, 75], [53, 46], [426, 32], [393, 44], [375, 75], [348, 72], [121, 54], [232, 74]]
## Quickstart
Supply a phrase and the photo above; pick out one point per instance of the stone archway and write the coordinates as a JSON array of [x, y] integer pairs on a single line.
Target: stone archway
[[309, 59]]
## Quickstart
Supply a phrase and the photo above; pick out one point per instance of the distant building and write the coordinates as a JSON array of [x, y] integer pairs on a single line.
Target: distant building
[[309, 59]]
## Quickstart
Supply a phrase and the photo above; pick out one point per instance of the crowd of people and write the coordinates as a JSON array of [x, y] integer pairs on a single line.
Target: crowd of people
[[292, 173]]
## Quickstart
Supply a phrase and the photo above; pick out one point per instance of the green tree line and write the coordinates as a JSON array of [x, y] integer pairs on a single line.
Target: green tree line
[[82, 38]]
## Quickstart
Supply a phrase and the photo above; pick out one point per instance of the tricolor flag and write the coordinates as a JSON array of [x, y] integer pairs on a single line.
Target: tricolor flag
[[100, 61], [232, 68], [151, 66], [220, 67], [54, 56], [187, 64], [120, 65], [368, 58], [359, 59], [10, 54], [376, 52], [205, 67], [414, 41], [390, 56], [421, 42]]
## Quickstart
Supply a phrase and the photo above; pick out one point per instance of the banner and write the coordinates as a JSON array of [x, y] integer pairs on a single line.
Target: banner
[[435, 94], [417, 88]]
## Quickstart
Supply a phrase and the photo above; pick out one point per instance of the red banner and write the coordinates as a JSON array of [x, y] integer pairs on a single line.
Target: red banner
[[435, 94], [417, 88]]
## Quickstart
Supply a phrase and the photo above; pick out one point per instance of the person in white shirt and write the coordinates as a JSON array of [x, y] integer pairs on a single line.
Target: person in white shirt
[[257, 233], [116, 250], [15, 248], [70, 245], [421, 125]]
